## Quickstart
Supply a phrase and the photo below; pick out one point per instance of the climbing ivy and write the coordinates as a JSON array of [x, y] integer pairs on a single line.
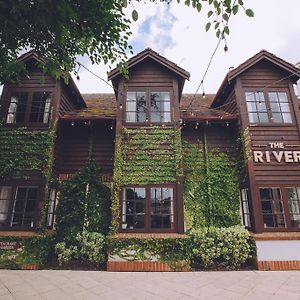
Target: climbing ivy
[[145, 155], [24, 150], [84, 204], [211, 190]]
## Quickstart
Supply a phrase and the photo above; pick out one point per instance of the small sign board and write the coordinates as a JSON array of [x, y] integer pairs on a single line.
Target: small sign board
[[11, 245]]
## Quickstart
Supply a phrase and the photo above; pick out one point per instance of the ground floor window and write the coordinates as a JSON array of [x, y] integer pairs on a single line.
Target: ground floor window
[[280, 207], [51, 208], [18, 206], [149, 208], [245, 211]]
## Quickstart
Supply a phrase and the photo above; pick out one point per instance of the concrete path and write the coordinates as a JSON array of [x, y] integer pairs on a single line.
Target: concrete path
[[63, 285]]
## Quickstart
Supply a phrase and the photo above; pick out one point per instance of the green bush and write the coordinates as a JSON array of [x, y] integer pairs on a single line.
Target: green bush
[[81, 209], [90, 248], [35, 249], [221, 247]]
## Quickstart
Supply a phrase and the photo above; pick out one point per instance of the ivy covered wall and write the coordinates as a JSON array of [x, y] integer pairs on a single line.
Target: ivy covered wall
[[24, 150], [145, 155], [211, 186]]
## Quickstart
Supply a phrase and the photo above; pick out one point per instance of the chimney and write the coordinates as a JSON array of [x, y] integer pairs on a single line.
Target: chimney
[[297, 84]]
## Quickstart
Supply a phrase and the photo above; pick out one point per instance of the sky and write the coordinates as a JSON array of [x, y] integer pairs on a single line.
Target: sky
[[178, 33]]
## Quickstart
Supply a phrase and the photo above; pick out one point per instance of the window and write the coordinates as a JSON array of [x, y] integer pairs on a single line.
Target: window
[[18, 206], [294, 206], [272, 207], [40, 107], [256, 105], [134, 207], [142, 107], [272, 107], [280, 107], [245, 208], [17, 108], [51, 208], [136, 107], [162, 212], [160, 107], [32, 107], [148, 208], [5, 199]]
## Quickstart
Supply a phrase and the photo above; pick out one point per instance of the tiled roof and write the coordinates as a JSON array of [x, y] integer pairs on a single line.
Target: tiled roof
[[192, 107]]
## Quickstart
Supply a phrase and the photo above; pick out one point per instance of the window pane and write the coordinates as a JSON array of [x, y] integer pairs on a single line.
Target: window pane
[[272, 207], [277, 118], [5, 198], [287, 118], [25, 206], [160, 107], [282, 97], [253, 117], [134, 206], [136, 107], [294, 206], [285, 107], [40, 107], [263, 117], [17, 108], [131, 106], [245, 208]]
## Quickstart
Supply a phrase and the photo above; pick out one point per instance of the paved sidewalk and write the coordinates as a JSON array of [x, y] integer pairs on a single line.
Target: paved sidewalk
[[50, 284]]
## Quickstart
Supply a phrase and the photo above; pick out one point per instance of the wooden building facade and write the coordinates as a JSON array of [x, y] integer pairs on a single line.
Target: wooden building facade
[[256, 100]]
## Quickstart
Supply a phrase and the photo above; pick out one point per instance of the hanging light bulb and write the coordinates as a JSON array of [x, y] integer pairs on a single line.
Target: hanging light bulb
[[192, 113], [72, 123], [206, 122], [121, 105], [203, 95], [112, 126], [77, 77], [227, 123]]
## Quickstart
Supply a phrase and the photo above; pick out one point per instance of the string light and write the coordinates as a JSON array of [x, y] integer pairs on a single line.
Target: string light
[[72, 123], [121, 105]]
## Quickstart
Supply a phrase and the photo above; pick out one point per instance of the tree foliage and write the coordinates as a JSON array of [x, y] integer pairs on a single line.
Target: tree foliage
[[59, 31]]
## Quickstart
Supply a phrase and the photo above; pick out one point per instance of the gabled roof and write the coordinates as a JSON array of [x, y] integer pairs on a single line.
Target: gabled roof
[[149, 53], [32, 55], [261, 55]]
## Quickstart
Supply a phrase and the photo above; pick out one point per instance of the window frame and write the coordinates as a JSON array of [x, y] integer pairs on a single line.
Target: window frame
[[148, 228], [246, 216], [148, 111], [14, 188], [269, 111], [30, 92], [285, 202]]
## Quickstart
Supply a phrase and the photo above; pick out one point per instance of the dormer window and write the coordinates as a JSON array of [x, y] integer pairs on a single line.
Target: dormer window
[[29, 107], [148, 107], [270, 107]]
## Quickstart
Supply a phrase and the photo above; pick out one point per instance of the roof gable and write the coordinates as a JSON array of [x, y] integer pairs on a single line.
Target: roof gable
[[255, 59], [149, 53]]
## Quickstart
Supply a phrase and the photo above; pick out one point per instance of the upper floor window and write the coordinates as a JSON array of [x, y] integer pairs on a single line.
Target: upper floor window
[[29, 107], [271, 107], [153, 107]]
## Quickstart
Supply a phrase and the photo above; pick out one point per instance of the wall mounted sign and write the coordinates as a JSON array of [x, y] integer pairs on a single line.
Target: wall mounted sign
[[11, 245], [277, 154]]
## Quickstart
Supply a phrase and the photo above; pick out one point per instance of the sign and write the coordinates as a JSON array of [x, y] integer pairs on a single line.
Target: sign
[[9, 245], [277, 154]]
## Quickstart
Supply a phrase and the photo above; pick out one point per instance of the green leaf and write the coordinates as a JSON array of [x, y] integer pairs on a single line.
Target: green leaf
[[125, 3], [209, 14], [207, 26], [135, 15], [225, 17], [199, 7], [241, 2], [249, 12], [235, 9], [226, 29], [187, 2]]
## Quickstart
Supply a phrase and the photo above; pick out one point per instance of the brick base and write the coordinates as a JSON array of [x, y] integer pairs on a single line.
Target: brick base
[[278, 265], [142, 266]]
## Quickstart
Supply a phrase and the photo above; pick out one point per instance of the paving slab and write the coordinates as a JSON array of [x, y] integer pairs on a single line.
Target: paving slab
[[57, 285]]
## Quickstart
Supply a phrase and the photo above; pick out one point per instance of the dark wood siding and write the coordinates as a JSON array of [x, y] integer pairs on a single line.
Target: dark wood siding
[[65, 105], [73, 147]]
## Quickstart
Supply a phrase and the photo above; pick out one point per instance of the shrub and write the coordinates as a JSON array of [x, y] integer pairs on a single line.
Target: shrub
[[89, 248], [221, 247], [79, 208]]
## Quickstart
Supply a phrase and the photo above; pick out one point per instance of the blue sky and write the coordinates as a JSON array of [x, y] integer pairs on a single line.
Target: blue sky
[[177, 32]]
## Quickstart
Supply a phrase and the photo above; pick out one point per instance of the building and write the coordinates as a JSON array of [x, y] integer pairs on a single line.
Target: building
[[150, 116]]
